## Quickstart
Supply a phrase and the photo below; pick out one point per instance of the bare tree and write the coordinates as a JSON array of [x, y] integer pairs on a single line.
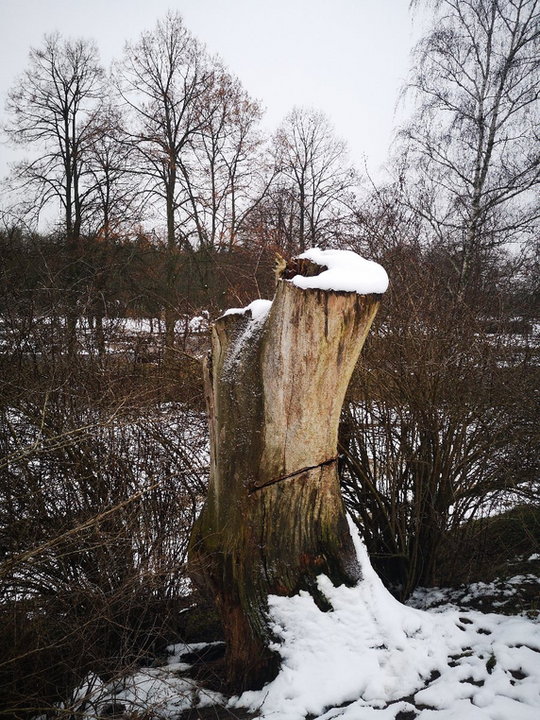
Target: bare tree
[[314, 175], [165, 79], [473, 144], [196, 136], [117, 202], [225, 182], [51, 109]]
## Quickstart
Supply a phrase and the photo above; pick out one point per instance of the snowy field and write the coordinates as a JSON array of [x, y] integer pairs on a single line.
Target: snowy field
[[370, 657], [134, 338]]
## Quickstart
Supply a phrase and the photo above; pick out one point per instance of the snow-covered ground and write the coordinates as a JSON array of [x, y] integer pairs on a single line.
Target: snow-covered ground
[[370, 657], [139, 338], [502, 594]]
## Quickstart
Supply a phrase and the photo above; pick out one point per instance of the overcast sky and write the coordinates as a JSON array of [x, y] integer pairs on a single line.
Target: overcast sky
[[347, 58]]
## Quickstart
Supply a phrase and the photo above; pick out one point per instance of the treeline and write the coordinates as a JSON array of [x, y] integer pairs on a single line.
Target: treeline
[[171, 204], [167, 146], [97, 283], [170, 141]]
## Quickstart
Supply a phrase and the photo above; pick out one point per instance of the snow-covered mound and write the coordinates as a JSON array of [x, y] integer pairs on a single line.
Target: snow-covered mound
[[346, 272], [343, 271], [372, 657], [369, 658]]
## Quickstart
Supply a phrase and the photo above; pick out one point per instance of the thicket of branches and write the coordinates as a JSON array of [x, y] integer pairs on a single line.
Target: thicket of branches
[[441, 425], [169, 204]]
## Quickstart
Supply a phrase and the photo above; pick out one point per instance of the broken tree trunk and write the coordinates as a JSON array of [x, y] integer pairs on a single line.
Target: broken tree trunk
[[274, 518]]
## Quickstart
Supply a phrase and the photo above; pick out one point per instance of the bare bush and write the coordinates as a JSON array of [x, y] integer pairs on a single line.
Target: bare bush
[[441, 423], [100, 479]]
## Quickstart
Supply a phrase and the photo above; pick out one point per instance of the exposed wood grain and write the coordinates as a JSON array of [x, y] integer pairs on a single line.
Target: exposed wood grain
[[274, 393]]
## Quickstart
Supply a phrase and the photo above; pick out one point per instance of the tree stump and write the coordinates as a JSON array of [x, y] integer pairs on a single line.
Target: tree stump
[[274, 518]]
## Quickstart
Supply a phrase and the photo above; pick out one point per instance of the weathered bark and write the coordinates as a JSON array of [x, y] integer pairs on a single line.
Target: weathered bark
[[274, 517]]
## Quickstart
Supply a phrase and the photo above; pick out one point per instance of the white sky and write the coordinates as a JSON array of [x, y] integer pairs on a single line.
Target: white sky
[[347, 58]]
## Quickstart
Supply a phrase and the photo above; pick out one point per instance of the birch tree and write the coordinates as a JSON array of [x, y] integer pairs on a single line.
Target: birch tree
[[473, 143]]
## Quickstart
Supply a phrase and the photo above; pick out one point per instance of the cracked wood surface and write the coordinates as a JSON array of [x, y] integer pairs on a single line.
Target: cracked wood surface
[[274, 518]]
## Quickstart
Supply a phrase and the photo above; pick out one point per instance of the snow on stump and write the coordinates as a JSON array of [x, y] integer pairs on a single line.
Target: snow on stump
[[274, 518]]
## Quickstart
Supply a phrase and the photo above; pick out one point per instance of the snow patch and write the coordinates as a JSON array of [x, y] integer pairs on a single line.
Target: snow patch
[[346, 272], [259, 309], [383, 658], [504, 593], [369, 658], [258, 312], [160, 693]]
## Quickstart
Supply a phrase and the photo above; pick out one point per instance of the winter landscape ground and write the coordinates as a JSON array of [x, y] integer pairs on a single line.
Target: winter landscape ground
[[368, 657], [464, 652]]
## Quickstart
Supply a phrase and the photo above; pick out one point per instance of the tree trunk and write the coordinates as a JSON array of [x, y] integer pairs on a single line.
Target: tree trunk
[[99, 330], [171, 271], [170, 316], [274, 518]]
